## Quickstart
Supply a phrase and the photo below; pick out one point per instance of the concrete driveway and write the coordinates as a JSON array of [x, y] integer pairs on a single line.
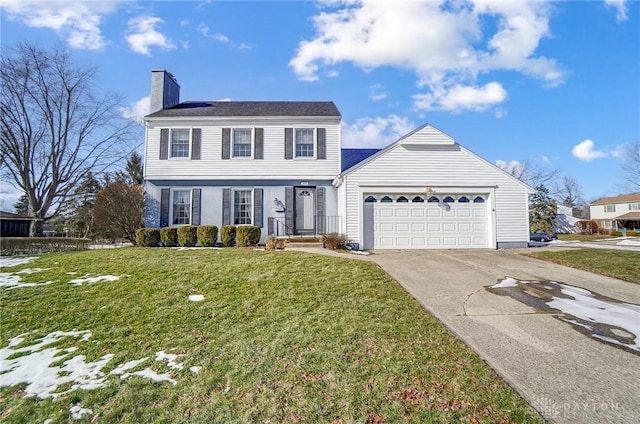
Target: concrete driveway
[[568, 376]]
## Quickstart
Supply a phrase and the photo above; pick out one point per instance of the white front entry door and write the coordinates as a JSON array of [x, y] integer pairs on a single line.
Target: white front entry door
[[413, 221]]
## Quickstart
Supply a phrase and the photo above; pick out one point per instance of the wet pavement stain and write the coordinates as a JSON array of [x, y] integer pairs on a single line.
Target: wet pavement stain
[[603, 318]]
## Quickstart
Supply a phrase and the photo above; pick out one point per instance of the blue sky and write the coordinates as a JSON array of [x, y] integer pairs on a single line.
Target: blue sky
[[550, 84]]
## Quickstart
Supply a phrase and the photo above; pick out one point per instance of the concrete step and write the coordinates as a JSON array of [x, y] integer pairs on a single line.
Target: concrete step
[[304, 244]]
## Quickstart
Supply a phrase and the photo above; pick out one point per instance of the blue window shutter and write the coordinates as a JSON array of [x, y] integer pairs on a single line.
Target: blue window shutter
[[288, 214], [320, 209], [257, 207], [258, 150], [288, 143], [195, 206], [196, 137], [164, 144], [322, 143], [226, 143], [164, 207], [226, 206]]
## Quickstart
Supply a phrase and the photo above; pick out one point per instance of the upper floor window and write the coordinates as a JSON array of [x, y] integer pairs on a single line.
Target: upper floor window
[[609, 208], [180, 143], [304, 142], [634, 206], [241, 142], [181, 207], [242, 207]]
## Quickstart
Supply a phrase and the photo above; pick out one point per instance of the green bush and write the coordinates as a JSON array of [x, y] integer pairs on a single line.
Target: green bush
[[148, 237], [632, 233], [169, 236], [228, 235], [334, 241], [616, 233], [248, 235], [188, 235], [207, 235]]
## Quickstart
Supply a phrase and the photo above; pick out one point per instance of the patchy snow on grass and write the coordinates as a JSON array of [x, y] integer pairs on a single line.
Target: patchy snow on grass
[[196, 297], [9, 261], [12, 280], [34, 366], [195, 370], [91, 280], [77, 412]]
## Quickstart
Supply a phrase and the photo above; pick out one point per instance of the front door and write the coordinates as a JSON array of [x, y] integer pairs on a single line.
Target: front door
[[305, 210]]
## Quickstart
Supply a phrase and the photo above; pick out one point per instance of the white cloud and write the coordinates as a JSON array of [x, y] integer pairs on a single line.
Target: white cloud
[[204, 30], [137, 110], [441, 42], [458, 98], [143, 35], [375, 132], [621, 8], [585, 151], [76, 21], [377, 92], [513, 167]]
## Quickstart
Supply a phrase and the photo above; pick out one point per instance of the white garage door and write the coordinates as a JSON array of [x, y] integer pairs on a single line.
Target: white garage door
[[414, 221]]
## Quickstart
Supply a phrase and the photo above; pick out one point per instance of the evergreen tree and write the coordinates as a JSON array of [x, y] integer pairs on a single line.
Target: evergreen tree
[[22, 205], [542, 211]]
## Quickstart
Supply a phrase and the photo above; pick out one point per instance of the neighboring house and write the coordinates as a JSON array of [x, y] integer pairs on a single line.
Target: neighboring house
[[615, 213], [14, 225], [565, 222], [280, 166]]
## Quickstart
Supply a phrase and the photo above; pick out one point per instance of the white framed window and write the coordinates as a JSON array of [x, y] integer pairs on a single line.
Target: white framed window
[[242, 142], [609, 208], [242, 207], [607, 224], [181, 207], [634, 206], [304, 142], [179, 143]]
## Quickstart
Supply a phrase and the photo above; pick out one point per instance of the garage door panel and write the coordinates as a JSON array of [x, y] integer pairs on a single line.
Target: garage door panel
[[423, 225]]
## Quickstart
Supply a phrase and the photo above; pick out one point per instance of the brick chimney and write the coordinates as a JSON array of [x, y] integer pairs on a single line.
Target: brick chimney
[[165, 91]]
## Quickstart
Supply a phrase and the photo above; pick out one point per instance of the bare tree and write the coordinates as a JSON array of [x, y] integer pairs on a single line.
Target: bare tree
[[630, 177], [530, 173], [54, 127], [569, 193], [119, 210]]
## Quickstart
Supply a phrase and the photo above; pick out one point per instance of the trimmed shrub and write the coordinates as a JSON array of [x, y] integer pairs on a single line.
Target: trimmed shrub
[[248, 235], [148, 237], [188, 235], [207, 235], [632, 233], [169, 236], [334, 241], [616, 233], [228, 235]]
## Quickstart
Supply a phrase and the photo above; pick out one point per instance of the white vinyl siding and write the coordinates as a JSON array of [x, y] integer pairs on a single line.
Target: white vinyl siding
[[444, 168], [211, 166]]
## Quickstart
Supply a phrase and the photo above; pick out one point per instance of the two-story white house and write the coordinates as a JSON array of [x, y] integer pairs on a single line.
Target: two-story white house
[[615, 213], [280, 166]]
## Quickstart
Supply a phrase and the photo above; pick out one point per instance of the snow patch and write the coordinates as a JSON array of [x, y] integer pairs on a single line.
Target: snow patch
[[92, 280], [196, 297], [628, 242], [121, 369], [77, 412], [506, 282], [9, 261], [171, 360], [195, 370], [152, 375]]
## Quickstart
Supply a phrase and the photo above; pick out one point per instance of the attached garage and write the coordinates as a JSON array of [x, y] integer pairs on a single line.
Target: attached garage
[[415, 221], [425, 191]]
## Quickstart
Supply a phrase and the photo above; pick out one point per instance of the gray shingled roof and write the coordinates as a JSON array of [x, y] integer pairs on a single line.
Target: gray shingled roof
[[187, 109]]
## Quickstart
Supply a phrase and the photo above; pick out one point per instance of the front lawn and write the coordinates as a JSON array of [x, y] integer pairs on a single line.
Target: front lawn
[[582, 237], [168, 335], [622, 264]]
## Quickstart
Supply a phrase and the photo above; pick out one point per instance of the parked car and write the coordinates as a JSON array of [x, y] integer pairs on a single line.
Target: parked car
[[544, 237]]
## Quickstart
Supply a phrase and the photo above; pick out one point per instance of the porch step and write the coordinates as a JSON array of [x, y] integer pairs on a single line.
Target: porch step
[[304, 244]]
